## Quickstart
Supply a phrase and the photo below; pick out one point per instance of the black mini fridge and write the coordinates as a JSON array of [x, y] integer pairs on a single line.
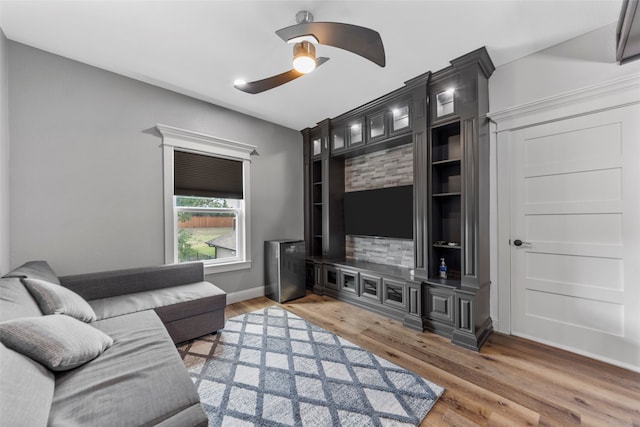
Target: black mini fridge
[[284, 270]]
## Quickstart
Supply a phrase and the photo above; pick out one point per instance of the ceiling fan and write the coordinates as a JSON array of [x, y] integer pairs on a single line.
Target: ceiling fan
[[305, 35]]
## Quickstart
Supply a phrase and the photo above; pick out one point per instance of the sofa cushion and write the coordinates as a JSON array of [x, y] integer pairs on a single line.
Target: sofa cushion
[[59, 342], [164, 297], [26, 390], [140, 380], [35, 270], [16, 301], [56, 299], [190, 417]]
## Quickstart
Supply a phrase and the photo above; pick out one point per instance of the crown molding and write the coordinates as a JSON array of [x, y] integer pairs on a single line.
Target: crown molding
[[176, 137], [601, 96]]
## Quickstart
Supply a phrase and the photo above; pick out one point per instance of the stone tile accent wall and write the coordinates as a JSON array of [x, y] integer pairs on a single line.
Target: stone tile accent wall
[[380, 169], [380, 250]]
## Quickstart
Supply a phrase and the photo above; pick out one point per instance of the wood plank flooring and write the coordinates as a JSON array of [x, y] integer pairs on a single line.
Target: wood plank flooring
[[511, 381]]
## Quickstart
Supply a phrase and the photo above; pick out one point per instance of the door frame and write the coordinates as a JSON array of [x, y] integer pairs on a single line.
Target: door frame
[[618, 93]]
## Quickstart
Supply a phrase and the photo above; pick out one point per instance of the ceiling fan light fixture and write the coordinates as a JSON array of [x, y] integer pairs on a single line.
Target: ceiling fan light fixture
[[304, 57], [306, 38]]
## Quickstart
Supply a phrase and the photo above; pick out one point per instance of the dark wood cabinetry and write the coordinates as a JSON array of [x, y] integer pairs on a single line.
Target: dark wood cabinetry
[[381, 288], [458, 188], [324, 188], [443, 116]]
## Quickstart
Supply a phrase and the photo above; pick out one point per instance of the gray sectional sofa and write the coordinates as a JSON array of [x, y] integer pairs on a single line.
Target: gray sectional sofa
[[99, 349]]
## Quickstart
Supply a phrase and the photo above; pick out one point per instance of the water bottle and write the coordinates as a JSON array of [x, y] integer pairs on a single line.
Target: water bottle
[[443, 269]]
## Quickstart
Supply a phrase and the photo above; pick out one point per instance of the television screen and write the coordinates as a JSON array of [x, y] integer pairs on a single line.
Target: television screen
[[383, 212]]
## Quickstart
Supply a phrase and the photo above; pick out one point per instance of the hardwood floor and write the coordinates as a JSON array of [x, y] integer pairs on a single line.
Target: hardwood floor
[[511, 381]]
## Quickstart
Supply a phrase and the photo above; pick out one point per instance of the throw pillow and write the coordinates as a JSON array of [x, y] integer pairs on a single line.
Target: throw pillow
[[56, 299], [58, 342], [35, 270]]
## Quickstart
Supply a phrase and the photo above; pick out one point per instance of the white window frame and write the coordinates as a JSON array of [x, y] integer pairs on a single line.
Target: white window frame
[[239, 229], [184, 140]]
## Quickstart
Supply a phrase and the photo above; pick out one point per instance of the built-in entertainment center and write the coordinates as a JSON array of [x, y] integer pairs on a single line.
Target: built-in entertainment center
[[396, 203]]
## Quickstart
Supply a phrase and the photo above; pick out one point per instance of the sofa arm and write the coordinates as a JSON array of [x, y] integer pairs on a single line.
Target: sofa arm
[[122, 282]]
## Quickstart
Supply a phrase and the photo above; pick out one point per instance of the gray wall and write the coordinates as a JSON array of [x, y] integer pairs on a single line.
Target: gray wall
[[584, 61], [4, 157], [86, 179]]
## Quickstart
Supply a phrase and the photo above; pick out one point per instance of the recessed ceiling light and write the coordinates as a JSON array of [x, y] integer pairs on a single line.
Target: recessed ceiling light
[[239, 82]]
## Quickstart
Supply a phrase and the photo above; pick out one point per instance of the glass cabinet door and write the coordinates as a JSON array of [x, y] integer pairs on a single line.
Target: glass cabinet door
[[400, 118], [349, 281], [377, 127], [445, 103], [337, 140], [316, 146], [355, 134], [394, 293], [370, 286], [331, 278]]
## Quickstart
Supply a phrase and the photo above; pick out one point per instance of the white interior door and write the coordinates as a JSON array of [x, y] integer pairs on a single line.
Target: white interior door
[[575, 192]]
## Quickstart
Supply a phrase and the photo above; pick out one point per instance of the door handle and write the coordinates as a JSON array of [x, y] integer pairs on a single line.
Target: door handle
[[519, 242]]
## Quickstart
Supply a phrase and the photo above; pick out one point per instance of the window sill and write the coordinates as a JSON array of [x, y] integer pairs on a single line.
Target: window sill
[[223, 268]]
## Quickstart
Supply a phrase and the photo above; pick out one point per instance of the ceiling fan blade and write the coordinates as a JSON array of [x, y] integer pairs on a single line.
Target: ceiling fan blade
[[274, 81], [359, 40]]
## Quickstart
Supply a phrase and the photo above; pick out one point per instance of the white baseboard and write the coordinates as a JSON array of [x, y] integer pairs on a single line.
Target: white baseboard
[[496, 325], [245, 294]]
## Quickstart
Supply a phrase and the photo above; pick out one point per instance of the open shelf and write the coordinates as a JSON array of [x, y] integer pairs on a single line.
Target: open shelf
[[316, 213], [447, 246], [446, 194], [446, 203], [446, 162], [451, 283], [445, 143]]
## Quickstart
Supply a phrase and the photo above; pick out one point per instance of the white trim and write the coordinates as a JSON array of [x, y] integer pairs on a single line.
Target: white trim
[[206, 143], [613, 94], [244, 295], [503, 220], [169, 213], [173, 138], [229, 266]]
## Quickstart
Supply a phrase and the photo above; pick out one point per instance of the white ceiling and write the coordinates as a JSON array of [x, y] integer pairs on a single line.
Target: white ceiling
[[200, 47]]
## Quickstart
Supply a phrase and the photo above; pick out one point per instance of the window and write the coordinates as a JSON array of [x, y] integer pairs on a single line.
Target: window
[[206, 188]]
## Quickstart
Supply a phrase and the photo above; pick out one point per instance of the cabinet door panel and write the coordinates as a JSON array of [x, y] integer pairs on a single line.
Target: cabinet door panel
[[338, 140], [355, 133], [370, 287], [440, 305], [394, 293], [400, 119], [331, 277], [349, 281], [376, 127]]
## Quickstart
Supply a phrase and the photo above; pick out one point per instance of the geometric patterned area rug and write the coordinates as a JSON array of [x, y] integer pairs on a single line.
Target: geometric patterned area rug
[[273, 368]]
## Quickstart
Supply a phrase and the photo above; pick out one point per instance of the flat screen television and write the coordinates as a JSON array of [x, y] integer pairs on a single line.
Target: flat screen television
[[382, 212]]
